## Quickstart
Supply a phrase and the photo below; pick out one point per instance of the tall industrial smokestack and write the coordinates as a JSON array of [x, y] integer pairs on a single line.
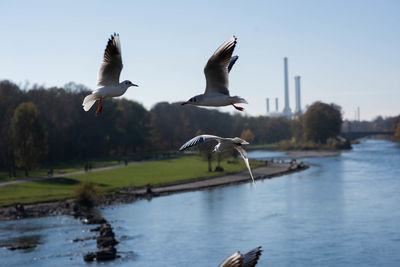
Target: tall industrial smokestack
[[297, 90], [276, 105], [286, 110], [267, 104]]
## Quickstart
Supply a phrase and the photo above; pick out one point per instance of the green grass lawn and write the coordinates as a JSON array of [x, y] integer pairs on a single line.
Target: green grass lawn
[[57, 168], [153, 172]]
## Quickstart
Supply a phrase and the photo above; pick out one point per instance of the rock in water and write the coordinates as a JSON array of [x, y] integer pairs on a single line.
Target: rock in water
[[106, 254], [21, 246], [89, 257], [105, 242]]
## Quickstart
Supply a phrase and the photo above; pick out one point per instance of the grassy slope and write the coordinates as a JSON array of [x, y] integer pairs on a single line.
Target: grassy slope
[[154, 172]]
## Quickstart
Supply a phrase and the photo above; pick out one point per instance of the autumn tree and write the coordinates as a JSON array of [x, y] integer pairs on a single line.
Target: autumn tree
[[321, 121], [10, 95], [296, 128], [397, 132], [132, 127], [28, 137], [247, 135]]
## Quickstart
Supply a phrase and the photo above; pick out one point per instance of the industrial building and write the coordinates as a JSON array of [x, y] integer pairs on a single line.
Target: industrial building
[[287, 111]]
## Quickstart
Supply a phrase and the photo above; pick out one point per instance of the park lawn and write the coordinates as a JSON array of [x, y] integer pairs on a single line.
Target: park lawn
[[139, 174], [158, 172], [38, 191], [57, 168]]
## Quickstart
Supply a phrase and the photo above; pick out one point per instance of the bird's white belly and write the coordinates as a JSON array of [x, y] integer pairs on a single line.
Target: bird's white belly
[[110, 91], [216, 100]]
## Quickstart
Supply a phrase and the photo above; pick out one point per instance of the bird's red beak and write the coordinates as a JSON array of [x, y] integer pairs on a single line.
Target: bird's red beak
[[134, 85]]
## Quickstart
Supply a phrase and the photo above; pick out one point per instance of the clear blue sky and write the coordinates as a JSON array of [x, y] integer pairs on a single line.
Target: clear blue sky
[[346, 52]]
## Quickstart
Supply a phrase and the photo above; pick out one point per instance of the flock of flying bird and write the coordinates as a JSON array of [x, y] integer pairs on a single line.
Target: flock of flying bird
[[216, 95]]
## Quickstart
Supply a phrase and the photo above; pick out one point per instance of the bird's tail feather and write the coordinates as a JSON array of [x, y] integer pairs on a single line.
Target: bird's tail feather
[[246, 160], [238, 99], [243, 153], [89, 101]]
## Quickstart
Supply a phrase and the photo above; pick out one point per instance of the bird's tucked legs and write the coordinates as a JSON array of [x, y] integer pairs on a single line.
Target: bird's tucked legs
[[99, 107], [238, 108]]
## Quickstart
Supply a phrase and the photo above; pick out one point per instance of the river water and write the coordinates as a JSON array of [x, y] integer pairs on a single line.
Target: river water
[[343, 211]]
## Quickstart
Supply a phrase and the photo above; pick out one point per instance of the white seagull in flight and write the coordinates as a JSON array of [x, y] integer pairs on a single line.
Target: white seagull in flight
[[217, 78], [250, 259], [108, 84], [223, 144]]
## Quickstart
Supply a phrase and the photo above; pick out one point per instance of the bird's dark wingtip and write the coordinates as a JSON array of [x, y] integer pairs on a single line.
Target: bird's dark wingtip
[[114, 35]]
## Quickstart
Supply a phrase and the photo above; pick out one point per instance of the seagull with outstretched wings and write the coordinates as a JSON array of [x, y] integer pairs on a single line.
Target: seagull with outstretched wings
[[237, 259], [217, 77], [223, 144], [108, 84]]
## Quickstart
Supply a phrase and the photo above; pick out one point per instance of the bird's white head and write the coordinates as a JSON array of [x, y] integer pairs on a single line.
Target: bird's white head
[[196, 101], [126, 84]]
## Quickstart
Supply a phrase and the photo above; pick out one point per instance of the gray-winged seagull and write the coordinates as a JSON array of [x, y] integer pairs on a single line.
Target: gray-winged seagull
[[250, 259], [217, 79], [223, 144], [108, 84]]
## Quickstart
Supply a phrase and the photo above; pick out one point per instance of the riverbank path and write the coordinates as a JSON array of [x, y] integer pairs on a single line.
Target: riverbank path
[[63, 174]]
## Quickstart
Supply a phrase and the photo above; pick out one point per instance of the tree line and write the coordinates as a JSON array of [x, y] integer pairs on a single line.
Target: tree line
[[48, 126], [379, 124]]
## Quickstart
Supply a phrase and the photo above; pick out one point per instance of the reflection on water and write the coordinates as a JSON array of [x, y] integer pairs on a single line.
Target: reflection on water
[[343, 211]]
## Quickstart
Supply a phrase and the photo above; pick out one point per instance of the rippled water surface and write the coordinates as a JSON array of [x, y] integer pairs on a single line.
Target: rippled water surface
[[343, 211]]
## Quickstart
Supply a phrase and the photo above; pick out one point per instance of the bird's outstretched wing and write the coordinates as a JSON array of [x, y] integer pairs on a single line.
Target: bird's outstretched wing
[[199, 140], [216, 69], [234, 260], [251, 258], [232, 62], [112, 63], [243, 153]]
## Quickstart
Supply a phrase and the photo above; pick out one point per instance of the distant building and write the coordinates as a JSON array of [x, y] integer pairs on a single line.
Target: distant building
[[275, 113], [287, 112]]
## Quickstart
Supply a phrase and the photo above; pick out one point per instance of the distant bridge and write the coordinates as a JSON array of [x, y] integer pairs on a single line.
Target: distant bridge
[[358, 135]]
